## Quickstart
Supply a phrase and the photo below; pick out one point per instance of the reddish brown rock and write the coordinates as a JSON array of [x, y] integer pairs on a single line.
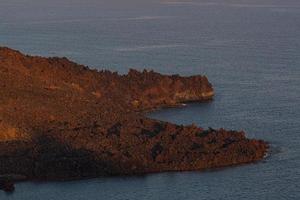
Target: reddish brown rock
[[61, 120]]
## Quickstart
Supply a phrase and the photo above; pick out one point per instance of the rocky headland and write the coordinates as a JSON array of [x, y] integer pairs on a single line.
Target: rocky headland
[[60, 120]]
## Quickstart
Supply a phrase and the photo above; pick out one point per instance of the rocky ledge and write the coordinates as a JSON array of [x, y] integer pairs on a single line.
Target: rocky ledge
[[61, 120]]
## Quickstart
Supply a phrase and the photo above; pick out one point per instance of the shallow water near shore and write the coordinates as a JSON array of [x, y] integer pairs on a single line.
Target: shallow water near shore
[[248, 49]]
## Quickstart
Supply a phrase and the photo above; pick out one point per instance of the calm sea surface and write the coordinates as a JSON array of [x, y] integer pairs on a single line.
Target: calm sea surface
[[249, 49]]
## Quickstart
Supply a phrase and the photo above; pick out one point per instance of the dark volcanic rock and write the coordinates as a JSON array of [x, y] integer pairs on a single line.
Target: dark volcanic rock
[[7, 185], [61, 120]]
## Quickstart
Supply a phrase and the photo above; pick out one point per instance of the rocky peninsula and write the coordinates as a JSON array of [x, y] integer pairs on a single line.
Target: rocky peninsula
[[61, 120]]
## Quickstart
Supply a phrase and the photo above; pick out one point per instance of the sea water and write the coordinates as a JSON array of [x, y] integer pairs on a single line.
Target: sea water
[[249, 50]]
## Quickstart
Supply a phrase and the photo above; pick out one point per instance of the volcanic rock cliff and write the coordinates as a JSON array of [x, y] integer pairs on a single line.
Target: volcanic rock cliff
[[61, 120]]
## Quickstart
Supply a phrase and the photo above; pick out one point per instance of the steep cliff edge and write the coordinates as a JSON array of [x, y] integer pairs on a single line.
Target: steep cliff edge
[[61, 120]]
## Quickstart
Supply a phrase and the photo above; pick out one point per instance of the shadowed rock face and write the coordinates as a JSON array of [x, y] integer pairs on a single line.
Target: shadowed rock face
[[61, 120]]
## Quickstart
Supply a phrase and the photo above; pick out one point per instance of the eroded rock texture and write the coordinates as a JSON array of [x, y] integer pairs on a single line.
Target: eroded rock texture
[[61, 120]]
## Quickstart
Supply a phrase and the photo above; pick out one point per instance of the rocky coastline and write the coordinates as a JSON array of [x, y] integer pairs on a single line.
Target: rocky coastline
[[60, 120]]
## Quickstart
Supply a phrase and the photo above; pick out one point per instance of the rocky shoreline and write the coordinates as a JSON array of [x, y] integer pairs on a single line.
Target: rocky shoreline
[[60, 120]]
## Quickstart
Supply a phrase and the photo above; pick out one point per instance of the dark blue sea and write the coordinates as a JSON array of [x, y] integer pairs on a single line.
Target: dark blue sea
[[249, 49]]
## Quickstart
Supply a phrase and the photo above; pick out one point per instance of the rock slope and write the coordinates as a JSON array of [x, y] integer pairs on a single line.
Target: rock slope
[[61, 120]]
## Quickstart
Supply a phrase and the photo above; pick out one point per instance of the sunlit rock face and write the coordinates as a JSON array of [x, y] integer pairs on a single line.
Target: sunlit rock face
[[61, 120]]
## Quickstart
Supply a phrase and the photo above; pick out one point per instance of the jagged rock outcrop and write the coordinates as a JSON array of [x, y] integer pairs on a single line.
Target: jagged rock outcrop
[[61, 120]]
